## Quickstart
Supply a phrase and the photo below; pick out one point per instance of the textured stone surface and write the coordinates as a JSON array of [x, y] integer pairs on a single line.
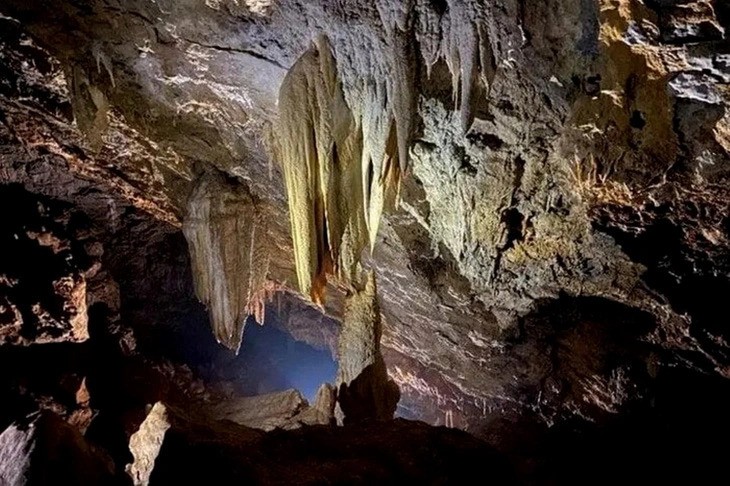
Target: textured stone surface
[[43, 281], [279, 410], [265, 412], [382, 452], [364, 390], [322, 411], [563, 155], [145, 444], [226, 235], [43, 449]]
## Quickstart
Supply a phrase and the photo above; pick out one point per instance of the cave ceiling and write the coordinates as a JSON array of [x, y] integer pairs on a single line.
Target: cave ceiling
[[561, 228]]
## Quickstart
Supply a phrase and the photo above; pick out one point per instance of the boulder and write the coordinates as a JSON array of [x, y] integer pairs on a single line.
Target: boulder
[[44, 450]]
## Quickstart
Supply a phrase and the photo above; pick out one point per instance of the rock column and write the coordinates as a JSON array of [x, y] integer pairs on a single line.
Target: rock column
[[364, 390]]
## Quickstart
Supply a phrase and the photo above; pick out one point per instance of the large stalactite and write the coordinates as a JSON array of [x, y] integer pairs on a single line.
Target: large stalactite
[[225, 230], [336, 194]]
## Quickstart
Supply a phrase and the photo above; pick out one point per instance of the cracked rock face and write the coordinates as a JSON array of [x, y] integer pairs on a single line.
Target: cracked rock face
[[559, 251]]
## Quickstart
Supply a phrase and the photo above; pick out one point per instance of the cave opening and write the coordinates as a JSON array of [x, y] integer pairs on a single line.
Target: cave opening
[[271, 360]]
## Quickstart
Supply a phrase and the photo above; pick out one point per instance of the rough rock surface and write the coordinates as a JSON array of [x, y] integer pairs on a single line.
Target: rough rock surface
[[145, 444], [337, 183], [43, 294], [364, 390], [566, 192], [281, 410], [565, 131], [385, 453], [45, 450], [226, 235], [322, 412]]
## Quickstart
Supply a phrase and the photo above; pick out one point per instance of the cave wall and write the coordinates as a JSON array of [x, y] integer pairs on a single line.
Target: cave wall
[[562, 157]]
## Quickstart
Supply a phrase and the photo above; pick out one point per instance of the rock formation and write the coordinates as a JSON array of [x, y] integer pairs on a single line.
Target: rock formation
[[226, 235], [43, 449], [322, 410], [550, 279], [336, 189], [233, 453], [364, 389], [280, 410], [145, 444], [43, 291]]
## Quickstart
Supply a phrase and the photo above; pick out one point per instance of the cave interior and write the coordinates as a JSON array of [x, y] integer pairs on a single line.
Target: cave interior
[[364, 242]]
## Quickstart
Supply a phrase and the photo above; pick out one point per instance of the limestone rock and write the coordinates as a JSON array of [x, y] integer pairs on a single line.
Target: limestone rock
[[564, 155], [233, 453], [43, 286], [90, 106], [45, 450], [322, 412], [145, 444], [364, 389], [689, 21], [320, 149], [73, 402], [265, 412], [226, 237], [278, 410]]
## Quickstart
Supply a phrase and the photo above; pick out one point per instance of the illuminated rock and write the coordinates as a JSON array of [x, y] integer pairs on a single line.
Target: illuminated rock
[[364, 389], [145, 444], [226, 234], [337, 183], [283, 410], [265, 412]]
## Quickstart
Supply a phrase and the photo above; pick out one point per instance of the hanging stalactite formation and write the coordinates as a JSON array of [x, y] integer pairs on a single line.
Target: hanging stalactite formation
[[230, 261], [320, 145]]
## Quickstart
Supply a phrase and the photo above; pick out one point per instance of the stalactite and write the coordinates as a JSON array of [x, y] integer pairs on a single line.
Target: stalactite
[[90, 107], [401, 83], [341, 134], [460, 38], [228, 255], [327, 169]]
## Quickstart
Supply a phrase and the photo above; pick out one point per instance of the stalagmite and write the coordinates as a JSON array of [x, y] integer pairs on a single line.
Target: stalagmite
[[229, 258], [364, 389], [145, 444]]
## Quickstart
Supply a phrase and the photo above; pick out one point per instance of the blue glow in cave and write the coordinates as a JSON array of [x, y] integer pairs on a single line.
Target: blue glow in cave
[[271, 360]]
